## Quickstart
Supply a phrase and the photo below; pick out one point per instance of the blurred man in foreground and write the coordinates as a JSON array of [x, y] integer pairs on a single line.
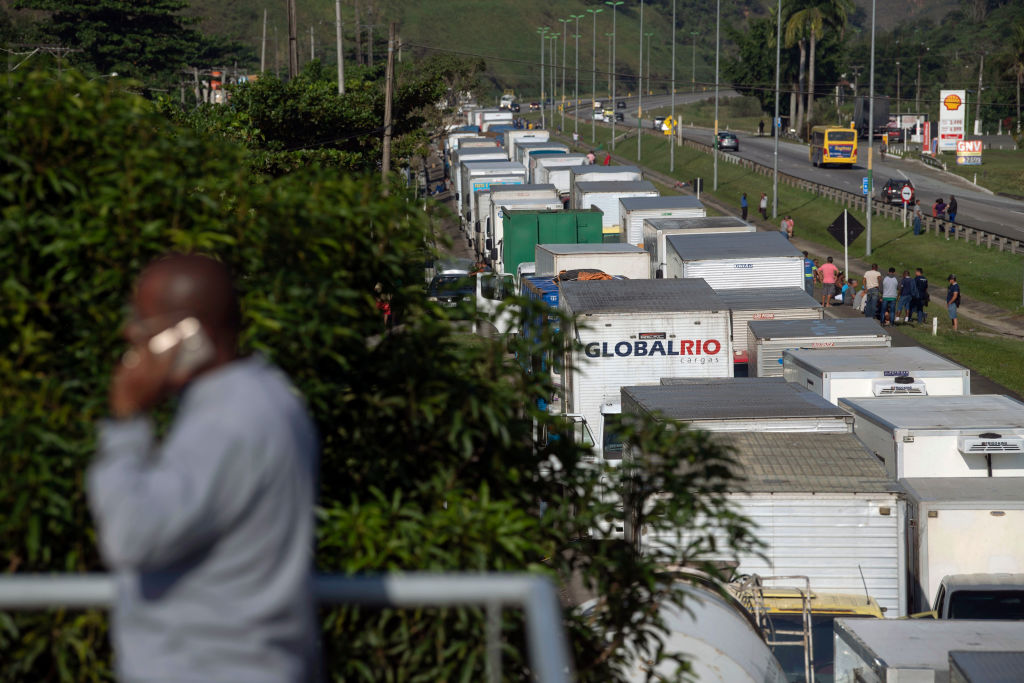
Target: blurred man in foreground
[[210, 531]]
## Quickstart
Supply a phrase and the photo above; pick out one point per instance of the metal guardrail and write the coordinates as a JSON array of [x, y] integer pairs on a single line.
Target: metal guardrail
[[853, 200], [548, 647]]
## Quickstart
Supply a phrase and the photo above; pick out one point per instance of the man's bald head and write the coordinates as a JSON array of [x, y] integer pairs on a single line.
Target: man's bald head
[[195, 285]]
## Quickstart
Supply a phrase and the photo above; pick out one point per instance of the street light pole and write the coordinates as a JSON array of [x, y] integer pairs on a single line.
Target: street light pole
[[554, 80], [693, 61], [576, 87], [542, 30], [610, 35], [649, 34], [640, 88], [565, 24], [718, 24], [871, 132], [776, 122], [672, 142], [615, 44], [593, 80]]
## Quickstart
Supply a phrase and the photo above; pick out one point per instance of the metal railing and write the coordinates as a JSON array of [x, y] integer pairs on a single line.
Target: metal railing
[[548, 647]]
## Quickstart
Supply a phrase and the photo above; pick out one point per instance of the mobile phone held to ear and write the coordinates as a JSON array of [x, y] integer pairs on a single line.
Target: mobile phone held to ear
[[195, 348]]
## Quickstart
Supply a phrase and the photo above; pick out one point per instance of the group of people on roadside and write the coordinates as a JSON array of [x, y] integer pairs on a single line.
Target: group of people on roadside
[[940, 209], [893, 299]]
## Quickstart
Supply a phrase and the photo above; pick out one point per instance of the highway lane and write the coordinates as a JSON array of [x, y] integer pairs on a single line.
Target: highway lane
[[1000, 215], [977, 208]]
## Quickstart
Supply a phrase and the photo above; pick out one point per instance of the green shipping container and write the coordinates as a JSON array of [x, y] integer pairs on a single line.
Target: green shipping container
[[524, 230]]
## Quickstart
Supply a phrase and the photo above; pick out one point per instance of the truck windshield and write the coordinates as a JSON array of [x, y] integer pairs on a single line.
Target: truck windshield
[[791, 657], [988, 604], [612, 441]]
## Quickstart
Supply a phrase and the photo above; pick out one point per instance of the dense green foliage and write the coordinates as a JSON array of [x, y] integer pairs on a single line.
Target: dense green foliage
[[428, 457]]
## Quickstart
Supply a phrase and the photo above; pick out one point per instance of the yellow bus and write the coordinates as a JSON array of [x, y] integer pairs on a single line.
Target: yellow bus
[[833, 145]]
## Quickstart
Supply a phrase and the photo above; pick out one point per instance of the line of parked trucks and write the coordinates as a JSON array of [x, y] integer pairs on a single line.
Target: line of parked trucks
[[871, 472]]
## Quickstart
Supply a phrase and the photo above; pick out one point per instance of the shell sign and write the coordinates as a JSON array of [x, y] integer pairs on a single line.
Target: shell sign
[[952, 102], [952, 119]]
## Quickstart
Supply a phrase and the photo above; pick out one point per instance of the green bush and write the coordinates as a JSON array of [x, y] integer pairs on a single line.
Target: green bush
[[428, 459]]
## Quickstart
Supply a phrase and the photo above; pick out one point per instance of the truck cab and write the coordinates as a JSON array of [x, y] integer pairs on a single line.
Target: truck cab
[[980, 596], [797, 622]]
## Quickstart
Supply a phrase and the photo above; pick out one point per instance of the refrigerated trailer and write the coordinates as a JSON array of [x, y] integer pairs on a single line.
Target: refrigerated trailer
[[738, 404], [605, 196], [914, 650], [862, 373], [517, 137], [633, 211], [655, 230], [981, 435], [471, 155], [753, 259], [822, 506], [960, 525], [554, 169], [524, 150], [638, 331], [614, 259], [768, 339], [777, 303], [593, 173], [477, 178]]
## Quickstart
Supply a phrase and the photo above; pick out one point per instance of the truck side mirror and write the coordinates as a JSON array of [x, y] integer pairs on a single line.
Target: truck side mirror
[[658, 274], [494, 255], [489, 244]]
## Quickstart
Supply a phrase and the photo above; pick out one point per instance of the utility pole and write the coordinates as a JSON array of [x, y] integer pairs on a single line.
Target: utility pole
[[312, 45], [693, 61], [718, 24], [640, 88], [359, 36], [897, 87], [615, 44], [341, 52], [565, 42], [977, 107], [648, 36], [871, 133], [263, 44], [576, 88], [293, 42], [672, 142], [554, 77], [777, 122], [389, 80], [593, 80], [917, 90], [542, 30]]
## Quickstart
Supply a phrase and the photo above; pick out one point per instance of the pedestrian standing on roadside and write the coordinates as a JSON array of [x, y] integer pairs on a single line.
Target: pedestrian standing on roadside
[[951, 210], [763, 206], [575, 138], [890, 292], [591, 157], [808, 275], [607, 159], [918, 215], [872, 279], [743, 205], [907, 294], [787, 227], [760, 128], [921, 289], [953, 299], [829, 274]]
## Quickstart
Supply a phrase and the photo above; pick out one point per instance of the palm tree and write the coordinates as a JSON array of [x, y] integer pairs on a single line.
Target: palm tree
[[796, 34], [807, 21]]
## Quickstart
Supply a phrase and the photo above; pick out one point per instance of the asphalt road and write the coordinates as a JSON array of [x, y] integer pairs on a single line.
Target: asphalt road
[[977, 207]]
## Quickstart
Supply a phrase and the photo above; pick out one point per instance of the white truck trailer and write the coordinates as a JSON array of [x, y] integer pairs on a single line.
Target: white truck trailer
[[554, 169], [594, 173], [781, 303], [914, 650], [634, 332], [470, 155], [605, 195], [525, 149], [477, 178], [820, 502], [615, 259], [752, 259], [981, 435], [768, 339], [523, 197], [634, 210], [655, 230], [960, 525], [515, 137], [862, 373]]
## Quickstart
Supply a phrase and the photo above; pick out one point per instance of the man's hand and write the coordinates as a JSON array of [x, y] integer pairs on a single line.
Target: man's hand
[[141, 381]]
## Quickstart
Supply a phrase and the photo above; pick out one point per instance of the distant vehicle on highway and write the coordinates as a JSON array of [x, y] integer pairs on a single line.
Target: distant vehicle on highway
[[727, 140], [515, 107], [619, 116], [895, 134], [891, 192], [621, 104], [658, 122], [832, 145], [598, 115], [534, 106], [608, 114]]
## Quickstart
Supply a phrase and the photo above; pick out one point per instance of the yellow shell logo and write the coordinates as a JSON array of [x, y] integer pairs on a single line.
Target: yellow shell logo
[[952, 102]]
